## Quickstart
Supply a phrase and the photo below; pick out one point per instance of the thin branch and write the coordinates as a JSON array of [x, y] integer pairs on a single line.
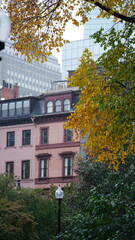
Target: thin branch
[[116, 14], [121, 84]]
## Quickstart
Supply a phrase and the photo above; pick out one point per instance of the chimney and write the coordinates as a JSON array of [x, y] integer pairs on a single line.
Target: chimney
[[16, 90], [71, 73]]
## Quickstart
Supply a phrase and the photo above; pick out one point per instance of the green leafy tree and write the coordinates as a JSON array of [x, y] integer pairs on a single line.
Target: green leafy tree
[[29, 213], [103, 203], [43, 207], [15, 223]]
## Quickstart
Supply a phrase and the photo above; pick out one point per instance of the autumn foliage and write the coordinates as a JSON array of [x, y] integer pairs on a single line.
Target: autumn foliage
[[105, 112], [38, 26]]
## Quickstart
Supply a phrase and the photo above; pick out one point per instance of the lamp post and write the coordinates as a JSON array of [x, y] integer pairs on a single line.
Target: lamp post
[[4, 29], [59, 194], [18, 183]]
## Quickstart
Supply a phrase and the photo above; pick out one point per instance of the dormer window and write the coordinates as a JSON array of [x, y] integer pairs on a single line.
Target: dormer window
[[50, 107], [12, 109], [4, 109], [66, 105], [19, 108], [58, 106], [26, 107]]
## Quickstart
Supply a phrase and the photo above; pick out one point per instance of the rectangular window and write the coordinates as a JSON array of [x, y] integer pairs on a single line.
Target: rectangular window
[[68, 135], [44, 168], [10, 168], [12, 109], [26, 169], [26, 107], [10, 139], [4, 110], [44, 135], [67, 166], [19, 108], [26, 137]]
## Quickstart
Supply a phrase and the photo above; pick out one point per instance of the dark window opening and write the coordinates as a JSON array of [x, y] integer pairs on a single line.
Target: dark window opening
[[10, 139], [26, 137], [44, 135], [26, 169], [68, 135], [10, 168]]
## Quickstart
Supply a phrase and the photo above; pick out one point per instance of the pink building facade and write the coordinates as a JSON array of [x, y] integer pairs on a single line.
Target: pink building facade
[[34, 146], [15, 156]]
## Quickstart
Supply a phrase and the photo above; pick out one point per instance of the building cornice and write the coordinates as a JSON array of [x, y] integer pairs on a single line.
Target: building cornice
[[54, 180], [58, 145], [54, 117], [15, 121]]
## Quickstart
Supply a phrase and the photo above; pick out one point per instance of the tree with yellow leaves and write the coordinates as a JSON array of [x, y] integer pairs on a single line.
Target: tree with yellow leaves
[[38, 26], [106, 110]]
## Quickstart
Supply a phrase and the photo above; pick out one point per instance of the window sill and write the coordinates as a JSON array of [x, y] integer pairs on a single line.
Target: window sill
[[69, 176], [22, 146], [26, 180], [10, 147]]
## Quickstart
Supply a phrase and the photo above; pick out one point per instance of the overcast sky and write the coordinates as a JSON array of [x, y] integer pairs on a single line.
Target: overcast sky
[[72, 33]]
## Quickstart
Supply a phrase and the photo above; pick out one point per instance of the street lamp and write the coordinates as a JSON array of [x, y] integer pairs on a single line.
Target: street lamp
[[59, 194], [4, 29], [18, 183]]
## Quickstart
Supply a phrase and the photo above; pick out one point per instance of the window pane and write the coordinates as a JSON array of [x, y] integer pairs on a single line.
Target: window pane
[[66, 105], [49, 107], [10, 168], [44, 135], [26, 107], [10, 139], [58, 106], [25, 169], [68, 135], [26, 137], [67, 166], [26, 103], [4, 110], [43, 167], [18, 108], [12, 109]]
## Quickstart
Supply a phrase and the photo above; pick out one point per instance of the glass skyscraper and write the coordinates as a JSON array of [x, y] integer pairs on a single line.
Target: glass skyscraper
[[71, 52]]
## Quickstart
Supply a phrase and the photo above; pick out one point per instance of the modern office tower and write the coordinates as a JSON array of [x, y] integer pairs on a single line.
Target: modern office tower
[[71, 52], [32, 78]]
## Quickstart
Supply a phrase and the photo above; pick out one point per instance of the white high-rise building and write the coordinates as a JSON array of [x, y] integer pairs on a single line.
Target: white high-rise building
[[32, 78], [71, 52]]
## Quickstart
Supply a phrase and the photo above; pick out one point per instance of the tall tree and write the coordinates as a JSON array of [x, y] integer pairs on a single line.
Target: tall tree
[[26, 213], [38, 26], [102, 203], [15, 223], [106, 110]]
